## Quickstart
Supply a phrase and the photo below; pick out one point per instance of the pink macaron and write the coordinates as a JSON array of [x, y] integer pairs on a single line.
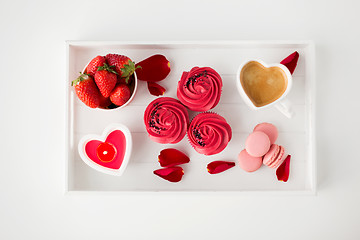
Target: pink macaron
[[257, 144], [275, 156], [248, 162], [269, 129]]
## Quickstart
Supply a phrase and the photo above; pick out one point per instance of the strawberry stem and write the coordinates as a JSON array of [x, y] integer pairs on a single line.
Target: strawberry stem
[[107, 68], [128, 70], [82, 77]]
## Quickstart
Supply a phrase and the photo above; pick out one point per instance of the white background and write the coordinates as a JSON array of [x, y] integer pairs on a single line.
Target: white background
[[32, 101]]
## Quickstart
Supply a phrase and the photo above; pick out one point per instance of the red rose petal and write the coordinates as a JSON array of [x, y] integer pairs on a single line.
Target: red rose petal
[[219, 166], [172, 174], [171, 157], [291, 61], [155, 89], [153, 69], [283, 170]]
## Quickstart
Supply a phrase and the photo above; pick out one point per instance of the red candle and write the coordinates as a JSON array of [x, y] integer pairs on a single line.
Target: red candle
[[106, 152]]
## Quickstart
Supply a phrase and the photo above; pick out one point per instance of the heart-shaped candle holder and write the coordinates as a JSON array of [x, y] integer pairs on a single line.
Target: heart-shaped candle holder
[[108, 153], [262, 85]]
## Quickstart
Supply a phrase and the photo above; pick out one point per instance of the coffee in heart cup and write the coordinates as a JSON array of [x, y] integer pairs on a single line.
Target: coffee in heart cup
[[108, 153], [261, 85]]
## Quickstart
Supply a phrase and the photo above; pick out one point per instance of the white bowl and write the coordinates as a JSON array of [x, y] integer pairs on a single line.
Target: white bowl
[[125, 104]]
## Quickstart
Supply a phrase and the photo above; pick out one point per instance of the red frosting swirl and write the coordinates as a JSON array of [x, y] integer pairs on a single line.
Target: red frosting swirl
[[200, 89], [209, 133], [166, 120]]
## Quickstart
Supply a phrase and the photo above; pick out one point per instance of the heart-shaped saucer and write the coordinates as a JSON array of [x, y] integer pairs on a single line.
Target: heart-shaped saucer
[[262, 85], [108, 153]]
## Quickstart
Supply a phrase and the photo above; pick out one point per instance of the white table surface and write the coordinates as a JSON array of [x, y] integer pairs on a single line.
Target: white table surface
[[32, 94]]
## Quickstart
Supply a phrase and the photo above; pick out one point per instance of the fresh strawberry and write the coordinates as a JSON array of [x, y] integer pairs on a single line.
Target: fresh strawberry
[[92, 67], [123, 65], [122, 80], [104, 102], [120, 95], [86, 90], [126, 81], [105, 79]]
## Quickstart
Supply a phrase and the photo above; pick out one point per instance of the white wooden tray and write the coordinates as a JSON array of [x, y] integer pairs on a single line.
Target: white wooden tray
[[296, 134]]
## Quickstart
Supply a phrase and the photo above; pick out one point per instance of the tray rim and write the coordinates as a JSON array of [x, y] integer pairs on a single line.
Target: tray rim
[[263, 43]]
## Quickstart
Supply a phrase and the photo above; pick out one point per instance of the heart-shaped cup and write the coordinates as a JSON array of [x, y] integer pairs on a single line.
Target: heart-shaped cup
[[108, 153], [261, 85]]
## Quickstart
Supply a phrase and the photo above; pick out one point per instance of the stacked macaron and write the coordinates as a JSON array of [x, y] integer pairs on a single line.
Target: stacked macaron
[[260, 148]]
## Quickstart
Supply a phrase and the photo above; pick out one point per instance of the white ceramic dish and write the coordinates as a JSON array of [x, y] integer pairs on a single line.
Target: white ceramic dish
[[297, 135]]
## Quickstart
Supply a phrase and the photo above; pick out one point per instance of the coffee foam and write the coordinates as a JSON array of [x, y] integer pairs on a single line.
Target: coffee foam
[[263, 85]]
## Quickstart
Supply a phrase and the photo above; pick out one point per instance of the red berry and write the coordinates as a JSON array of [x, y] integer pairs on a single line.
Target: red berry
[[92, 67], [122, 80], [86, 90], [120, 95], [123, 65], [105, 79], [104, 102]]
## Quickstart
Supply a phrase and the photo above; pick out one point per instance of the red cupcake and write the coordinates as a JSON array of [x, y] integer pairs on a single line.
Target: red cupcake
[[166, 120], [209, 133], [200, 89]]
